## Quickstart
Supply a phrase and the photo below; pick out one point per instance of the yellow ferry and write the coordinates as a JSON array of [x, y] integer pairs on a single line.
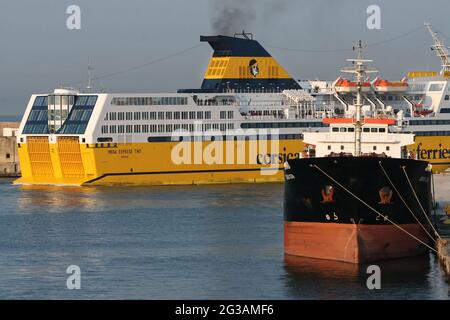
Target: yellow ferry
[[242, 125]]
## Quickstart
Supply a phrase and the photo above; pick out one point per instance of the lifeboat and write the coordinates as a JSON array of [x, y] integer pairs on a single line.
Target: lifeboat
[[420, 111], [345, 86], [381, 85]]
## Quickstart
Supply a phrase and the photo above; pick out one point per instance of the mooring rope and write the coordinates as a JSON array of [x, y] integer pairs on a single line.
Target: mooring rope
[[420, 204], [404, 202], [374, 210]]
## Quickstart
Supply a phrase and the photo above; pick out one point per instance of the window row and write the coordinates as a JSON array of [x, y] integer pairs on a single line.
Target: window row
[[374, 148], [224, 138], [432, 133], [352, 129], [149, 101], [160, 115], [227, 114], [429, 122], [165, 128], [299, 124]]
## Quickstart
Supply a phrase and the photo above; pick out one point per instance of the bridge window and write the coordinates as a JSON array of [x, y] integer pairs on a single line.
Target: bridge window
[[79, 116], [335, 129], [351, 129], [381, 129], [37, 122], [366, 129], [373, 129], [436, 87]]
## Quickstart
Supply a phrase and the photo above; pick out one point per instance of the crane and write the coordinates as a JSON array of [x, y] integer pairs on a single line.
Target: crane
[[440, 49]]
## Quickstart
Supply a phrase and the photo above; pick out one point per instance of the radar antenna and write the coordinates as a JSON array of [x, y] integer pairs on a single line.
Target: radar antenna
[[440, 49], [244, 35]]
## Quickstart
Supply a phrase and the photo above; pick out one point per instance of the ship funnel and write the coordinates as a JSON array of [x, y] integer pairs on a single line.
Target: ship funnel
[[241, 64]]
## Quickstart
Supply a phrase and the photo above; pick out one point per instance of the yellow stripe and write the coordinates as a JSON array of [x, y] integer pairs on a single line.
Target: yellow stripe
[[238, 68]]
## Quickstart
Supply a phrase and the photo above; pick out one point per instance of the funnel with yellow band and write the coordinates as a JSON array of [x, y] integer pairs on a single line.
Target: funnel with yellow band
[[243, 65]]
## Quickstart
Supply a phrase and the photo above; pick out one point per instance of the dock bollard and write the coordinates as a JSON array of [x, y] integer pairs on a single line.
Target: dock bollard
[[443, 255]]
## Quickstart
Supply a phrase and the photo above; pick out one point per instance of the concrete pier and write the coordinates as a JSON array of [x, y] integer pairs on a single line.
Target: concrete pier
[[443, 249], [9, 159], [442, 189]]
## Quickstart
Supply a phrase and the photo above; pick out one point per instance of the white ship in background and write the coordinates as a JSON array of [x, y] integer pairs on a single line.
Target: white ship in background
[[420, 102]]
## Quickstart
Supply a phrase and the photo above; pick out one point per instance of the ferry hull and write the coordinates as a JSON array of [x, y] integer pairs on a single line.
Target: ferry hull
[[69, 163], [434, 149]]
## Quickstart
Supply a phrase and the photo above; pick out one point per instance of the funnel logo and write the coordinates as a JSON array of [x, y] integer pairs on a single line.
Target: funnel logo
[[254, 68]]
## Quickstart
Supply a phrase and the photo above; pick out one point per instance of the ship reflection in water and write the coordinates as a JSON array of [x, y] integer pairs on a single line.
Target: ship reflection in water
[[328, 279], [58, 199], [176, 242]]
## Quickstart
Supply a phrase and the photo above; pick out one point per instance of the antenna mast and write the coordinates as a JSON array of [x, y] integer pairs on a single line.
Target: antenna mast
[[360, 70], [89, 84], [440, 49]]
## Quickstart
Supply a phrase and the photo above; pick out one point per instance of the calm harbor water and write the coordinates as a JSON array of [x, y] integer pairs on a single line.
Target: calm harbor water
[[193, 242]]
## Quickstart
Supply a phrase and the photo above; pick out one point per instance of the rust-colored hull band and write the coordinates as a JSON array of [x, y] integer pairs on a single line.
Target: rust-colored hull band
[[354, 243]]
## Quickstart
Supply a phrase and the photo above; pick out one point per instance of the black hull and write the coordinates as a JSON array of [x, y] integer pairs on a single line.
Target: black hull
[[364, 177], [323, 220]]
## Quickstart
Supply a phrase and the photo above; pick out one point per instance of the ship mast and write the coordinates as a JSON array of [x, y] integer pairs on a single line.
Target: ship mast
[[89, 83], [440, 49], [359, 69]]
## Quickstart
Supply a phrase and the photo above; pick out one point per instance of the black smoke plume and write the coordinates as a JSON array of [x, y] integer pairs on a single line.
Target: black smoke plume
[[231, 16]]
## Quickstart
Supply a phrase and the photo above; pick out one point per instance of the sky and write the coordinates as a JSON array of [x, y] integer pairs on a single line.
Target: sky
[[38, 52]]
